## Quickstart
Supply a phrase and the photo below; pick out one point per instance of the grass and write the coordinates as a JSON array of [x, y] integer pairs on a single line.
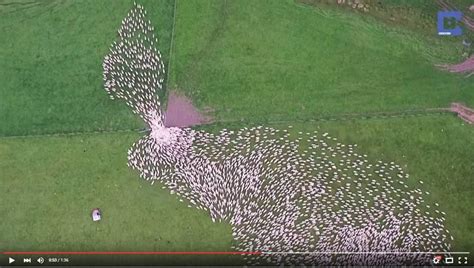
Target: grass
[[251, 60], [50, 186], [418, 16], [72, 175], [293, 67], [51, 71]]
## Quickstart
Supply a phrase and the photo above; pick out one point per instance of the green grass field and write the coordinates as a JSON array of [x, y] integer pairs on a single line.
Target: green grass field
[[299, 62], [257, 61], [415, 15], [50, 185], [51, 71]]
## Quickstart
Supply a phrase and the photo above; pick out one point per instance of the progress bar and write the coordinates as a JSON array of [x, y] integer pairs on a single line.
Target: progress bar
[[131, 253]]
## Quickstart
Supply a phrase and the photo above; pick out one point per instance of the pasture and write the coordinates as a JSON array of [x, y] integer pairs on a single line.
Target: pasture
[[251, 62]]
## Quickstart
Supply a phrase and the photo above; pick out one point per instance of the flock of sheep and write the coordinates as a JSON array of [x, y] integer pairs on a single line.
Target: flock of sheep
[[296, 197]]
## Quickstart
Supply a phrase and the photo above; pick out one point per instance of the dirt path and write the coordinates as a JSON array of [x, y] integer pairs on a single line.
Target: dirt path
[[463, 67], [180, 112], [468, 65], [463, 112]]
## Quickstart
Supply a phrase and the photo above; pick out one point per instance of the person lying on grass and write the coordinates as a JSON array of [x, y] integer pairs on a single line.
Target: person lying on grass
[[96, 215]]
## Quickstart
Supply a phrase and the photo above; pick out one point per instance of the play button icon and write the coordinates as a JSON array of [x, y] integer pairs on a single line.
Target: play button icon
[[10, 260]]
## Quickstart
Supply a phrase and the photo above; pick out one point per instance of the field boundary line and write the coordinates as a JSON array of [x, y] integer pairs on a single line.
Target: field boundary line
[[75, 133], [328, 118], [170, 56], [345, 117]]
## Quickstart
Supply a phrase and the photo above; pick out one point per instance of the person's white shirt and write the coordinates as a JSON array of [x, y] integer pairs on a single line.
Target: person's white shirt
[[95, 215]]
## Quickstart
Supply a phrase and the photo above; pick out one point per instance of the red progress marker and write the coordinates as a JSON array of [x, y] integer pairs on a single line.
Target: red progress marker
[[132, 253]]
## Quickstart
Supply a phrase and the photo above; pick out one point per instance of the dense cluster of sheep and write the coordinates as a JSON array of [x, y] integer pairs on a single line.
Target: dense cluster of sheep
[[133, 70], [293, 196]]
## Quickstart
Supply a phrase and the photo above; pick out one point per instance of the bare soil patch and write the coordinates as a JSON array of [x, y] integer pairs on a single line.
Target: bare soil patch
[[181, 112], [465, 113], [463, 67]]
